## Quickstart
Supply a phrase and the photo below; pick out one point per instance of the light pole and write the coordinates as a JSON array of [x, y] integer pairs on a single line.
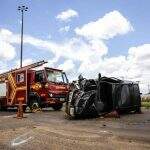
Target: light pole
[[22, 9]]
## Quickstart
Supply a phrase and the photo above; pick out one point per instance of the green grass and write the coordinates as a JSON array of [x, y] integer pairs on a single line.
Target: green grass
[[146, 104]]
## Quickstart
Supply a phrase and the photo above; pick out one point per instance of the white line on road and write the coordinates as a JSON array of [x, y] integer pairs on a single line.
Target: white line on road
[[22, 139]]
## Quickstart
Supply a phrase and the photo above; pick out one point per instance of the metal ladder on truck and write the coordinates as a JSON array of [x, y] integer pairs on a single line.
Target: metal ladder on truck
[[34, 65]]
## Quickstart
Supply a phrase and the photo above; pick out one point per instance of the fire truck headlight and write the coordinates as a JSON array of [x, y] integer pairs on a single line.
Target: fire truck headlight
[[50, 94]]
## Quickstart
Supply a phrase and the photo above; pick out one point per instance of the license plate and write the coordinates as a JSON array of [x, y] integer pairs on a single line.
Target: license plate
[[62, 99]]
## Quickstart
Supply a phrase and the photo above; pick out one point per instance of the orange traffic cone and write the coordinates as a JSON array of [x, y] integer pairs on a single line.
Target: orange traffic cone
[[20, 111]]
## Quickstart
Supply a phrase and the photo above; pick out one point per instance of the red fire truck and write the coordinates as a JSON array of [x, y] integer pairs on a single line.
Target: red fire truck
[[34, 88]]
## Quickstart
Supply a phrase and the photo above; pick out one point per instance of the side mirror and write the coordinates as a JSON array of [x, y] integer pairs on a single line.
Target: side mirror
[[67, 81], [65, 77]]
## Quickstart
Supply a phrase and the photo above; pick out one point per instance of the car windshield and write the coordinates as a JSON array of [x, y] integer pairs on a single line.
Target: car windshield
[[56, 76]]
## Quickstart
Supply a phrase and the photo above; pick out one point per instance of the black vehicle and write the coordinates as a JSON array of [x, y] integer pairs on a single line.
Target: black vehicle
[[90, 97]]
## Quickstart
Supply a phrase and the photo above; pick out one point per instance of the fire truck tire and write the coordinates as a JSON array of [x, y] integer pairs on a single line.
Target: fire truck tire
[[57, 107], [34, 103]]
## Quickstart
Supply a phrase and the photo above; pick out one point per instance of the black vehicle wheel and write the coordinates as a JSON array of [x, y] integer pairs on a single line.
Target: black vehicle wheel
[[34, 103], [57, 107], [138, 110]]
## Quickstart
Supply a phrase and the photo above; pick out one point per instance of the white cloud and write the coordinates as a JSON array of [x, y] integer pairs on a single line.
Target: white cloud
[[67, 15], [109, 26], [3, 66], [135, 66], [64, 29], [75, 48], [7, 50], [139, 57], [4, 34], [89, 55], [112, 24], [67, 66], [99, 46], [140, 53], [24, 63]]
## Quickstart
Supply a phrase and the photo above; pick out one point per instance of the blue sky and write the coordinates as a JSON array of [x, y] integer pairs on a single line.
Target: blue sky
[[41, 23], [40, 19]]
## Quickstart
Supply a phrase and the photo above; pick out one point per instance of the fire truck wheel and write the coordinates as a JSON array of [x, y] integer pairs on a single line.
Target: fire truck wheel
[[34, 103], [34, 106], [58, 107]]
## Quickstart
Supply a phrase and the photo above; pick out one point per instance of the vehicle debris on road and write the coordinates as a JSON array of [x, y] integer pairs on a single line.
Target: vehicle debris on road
[[94, 97]]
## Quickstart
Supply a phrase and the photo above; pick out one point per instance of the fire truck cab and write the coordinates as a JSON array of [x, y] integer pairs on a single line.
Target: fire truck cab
[[34, 88]]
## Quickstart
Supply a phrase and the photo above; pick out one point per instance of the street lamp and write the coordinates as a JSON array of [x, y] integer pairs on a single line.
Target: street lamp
[[22, 9]]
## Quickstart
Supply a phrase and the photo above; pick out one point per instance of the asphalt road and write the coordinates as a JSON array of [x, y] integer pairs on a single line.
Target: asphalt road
[[52, 130]]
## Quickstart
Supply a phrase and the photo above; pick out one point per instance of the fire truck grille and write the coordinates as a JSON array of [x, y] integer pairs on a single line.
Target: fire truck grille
[[59, 95]]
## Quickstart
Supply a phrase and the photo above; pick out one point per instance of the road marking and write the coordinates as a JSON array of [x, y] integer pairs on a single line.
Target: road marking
[[21, 139], [11, 116], [104, 131], [8, 116]]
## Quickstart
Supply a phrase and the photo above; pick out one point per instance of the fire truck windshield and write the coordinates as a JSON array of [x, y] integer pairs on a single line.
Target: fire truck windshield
[[56, 76]]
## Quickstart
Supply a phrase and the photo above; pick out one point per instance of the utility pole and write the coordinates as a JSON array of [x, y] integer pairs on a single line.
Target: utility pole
[[22, 9]]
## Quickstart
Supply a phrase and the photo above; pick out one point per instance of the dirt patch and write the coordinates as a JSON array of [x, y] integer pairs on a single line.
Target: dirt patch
[[51, 130]]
